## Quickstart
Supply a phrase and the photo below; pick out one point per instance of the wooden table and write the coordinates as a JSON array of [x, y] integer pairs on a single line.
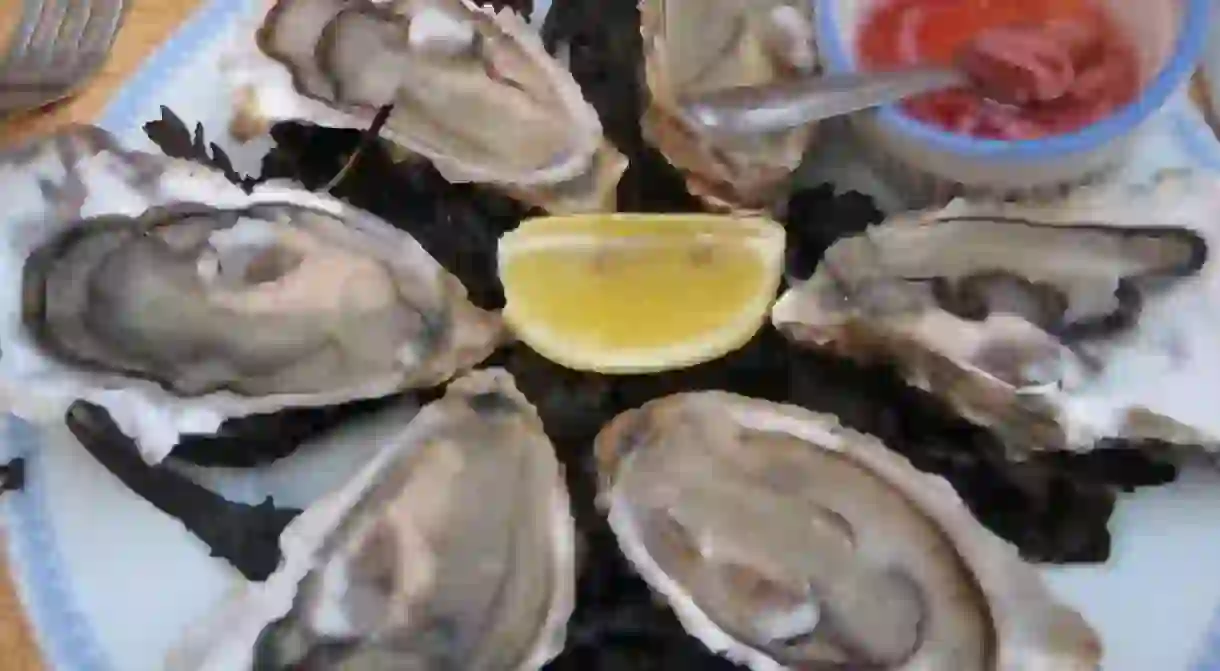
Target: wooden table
[[149, 23]]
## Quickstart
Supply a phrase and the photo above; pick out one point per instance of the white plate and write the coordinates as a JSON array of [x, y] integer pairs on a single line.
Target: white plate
[[109, 583]]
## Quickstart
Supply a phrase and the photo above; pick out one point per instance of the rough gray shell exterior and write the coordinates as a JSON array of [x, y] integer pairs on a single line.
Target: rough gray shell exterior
[[453, 548], [159, 290], [1056, 324], [699, 46], [784, 541], [457, 74]]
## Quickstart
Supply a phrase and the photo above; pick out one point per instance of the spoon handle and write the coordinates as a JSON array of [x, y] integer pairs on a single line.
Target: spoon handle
[[748, 110]]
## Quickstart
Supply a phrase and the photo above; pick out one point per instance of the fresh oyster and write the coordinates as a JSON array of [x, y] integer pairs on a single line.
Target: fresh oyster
[[699, 46], [784, 541], [473, 91], [159, 290], [452, 548], [1055, 324]]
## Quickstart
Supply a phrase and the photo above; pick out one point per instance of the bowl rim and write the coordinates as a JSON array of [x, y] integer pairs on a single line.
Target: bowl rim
[[1187, 51]]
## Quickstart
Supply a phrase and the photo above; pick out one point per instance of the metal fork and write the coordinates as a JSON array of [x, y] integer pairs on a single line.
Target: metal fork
[[58, 46]]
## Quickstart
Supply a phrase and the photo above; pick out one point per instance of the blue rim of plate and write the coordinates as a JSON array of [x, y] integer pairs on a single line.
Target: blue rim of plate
[[1209, 658], [63, 633]]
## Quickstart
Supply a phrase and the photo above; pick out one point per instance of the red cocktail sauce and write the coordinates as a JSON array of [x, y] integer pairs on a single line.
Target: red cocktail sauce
[[1065, 61]]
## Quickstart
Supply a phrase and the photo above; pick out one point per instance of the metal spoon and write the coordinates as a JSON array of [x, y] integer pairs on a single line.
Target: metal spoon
[[996, 62], [750, 110]]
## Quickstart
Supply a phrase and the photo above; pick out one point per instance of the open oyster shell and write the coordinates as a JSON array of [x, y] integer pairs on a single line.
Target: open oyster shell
[[452, 548], [1055, 324], [473, 91], [784, 541], [162, 292], [698, 46]]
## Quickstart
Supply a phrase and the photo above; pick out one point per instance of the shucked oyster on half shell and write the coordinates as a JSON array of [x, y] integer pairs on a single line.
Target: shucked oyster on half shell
[[453, 548], [162, 292], [474, 91], [693, 47], [1054, 324], [784, 541]]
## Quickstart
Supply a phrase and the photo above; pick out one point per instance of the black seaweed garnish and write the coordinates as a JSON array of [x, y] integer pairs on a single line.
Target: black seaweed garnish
[[1054, 508], [246, 536], [602, 46], [618, 624], [258, 440], [458, 224], [171, 135], [523, 7], [12, 476], [368, 138], [815, 218]]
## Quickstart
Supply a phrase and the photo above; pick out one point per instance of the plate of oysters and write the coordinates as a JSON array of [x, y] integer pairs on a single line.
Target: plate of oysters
[[443, 334]]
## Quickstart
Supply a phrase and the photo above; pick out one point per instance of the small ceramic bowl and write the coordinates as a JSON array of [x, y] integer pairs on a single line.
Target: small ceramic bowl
[[928, 163], [1210, 67]]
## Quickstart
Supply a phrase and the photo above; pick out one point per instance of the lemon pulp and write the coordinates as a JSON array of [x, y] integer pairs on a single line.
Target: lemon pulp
[[639, 292]]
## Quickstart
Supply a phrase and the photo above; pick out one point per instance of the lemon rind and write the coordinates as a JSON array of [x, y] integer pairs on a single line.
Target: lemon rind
[[630, 361]]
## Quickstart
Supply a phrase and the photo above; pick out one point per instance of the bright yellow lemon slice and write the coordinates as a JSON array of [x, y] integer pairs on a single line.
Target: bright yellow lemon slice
[[639, 293]]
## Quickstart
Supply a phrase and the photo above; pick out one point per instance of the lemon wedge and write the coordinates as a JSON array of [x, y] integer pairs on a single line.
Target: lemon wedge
[[639, 293]]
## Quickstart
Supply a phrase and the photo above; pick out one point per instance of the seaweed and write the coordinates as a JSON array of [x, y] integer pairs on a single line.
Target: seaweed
[[603, 48], [458, 224], [257, 440], [369, 138], [523, 7], [815, 218], [12, 476], [1041, 506], [170, 134], [1054, 508], [246, 536], [618, 625]]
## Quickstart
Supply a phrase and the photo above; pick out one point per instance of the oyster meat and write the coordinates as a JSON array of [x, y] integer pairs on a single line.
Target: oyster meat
[[784, 541], [1056, 324], [159, 290], [472, 88], [453, 548], [693, 47]]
